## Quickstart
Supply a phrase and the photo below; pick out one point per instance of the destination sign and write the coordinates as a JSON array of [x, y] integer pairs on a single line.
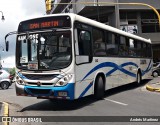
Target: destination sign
[[45, 23]]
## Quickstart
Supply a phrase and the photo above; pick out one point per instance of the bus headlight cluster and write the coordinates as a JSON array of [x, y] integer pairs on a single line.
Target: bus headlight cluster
[[63, 81], [19, 80]]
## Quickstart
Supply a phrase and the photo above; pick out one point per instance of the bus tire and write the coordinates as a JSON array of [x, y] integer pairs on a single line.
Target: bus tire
[[99, 88], [155, 74], [139, 78]]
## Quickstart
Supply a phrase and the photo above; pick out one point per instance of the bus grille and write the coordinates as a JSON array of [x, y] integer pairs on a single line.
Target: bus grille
[[40, 77], [32, 83], [39, 91]]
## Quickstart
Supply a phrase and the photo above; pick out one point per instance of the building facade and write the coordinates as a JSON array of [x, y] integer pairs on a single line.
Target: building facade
[[137, 19]]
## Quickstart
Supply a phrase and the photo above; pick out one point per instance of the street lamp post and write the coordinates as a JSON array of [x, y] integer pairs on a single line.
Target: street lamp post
[[98, 10], [2, 16]]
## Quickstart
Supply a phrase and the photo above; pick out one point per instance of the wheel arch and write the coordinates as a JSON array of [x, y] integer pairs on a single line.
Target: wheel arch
[[5, 80]]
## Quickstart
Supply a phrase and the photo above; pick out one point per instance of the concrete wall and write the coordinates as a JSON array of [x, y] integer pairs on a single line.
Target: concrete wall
[[154, 3], [155, 37], [81, 6]]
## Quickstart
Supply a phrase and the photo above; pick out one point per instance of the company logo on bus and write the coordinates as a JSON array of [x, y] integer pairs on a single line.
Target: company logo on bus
[[39, 83]]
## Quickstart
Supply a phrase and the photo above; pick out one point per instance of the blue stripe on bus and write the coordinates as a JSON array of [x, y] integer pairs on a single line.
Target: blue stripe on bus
[[122, 69], [116, 67], [148, 68], [86, 89]]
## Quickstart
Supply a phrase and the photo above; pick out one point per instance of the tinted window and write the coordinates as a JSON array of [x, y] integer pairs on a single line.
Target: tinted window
[[139, 49], [149, 50], [132, 48], [84, 40], [144, 50], [98, 43], [111, 44], [123, 48]]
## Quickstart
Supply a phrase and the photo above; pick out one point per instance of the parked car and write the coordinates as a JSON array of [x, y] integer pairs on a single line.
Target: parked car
[[156, 69], [5, 81]]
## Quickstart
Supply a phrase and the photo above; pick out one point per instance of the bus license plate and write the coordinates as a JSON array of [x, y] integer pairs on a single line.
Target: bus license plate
[[62, 93]]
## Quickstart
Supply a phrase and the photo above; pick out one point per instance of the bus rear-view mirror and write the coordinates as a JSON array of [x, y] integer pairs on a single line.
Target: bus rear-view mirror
[[7, 45]]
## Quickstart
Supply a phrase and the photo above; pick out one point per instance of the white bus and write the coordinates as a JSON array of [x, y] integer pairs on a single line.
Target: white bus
[[67, 56]]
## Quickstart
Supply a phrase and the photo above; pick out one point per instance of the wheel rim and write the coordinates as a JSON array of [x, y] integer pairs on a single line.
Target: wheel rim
[[138, 78], [155, 74], [4, 85]]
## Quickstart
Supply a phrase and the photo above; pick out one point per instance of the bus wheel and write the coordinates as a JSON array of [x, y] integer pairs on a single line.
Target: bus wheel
[[99, 88], [155, 74], [139, 78]]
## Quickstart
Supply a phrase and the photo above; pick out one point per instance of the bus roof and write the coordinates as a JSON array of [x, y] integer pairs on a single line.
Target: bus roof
[[109, 28], [97, 24]]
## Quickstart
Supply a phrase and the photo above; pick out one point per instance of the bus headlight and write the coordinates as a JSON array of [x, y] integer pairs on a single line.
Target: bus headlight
[[63, 81], [19, 81]]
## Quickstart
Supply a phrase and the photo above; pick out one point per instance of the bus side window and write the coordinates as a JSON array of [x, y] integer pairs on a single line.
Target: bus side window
[[111, 44], [123, 48], [98, 43], [132, 48], [84, 40], [144, 50], [139, 49], [149, 52]]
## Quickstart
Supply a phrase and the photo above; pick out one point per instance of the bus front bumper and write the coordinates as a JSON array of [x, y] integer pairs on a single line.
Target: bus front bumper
[[60, 92]]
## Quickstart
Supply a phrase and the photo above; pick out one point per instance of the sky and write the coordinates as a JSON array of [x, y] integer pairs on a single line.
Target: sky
[[14, 12]]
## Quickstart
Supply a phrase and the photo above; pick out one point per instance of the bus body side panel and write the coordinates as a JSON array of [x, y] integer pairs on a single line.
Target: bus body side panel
[[87, 73], [118, 71], [129, 70], [131, 66], [83, 86], [111, 72], [146, 66]]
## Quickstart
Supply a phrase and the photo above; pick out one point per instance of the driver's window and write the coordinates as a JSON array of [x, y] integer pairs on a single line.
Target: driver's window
[[24, 49], [34, 44], [84, 42]]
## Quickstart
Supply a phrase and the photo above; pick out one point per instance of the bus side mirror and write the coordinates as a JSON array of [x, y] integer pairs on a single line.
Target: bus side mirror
[[7, 42], [7, 45]]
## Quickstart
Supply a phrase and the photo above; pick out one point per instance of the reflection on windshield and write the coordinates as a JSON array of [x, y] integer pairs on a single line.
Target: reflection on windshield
[[44, 51]]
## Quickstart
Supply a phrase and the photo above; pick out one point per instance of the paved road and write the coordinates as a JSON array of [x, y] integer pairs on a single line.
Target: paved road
[[127, 100]]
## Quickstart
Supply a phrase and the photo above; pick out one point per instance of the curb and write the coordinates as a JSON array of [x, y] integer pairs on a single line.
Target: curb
[[5, 111], [150, 88]]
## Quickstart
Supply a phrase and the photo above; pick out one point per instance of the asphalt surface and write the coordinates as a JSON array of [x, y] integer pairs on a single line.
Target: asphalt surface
[[128, 100]]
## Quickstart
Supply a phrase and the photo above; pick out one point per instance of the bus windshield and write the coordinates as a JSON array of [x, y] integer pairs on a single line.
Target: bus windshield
[[44, 51]]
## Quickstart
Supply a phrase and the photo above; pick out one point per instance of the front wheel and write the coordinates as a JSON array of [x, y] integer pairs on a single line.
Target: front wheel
[[99, 88], [4, 85]]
